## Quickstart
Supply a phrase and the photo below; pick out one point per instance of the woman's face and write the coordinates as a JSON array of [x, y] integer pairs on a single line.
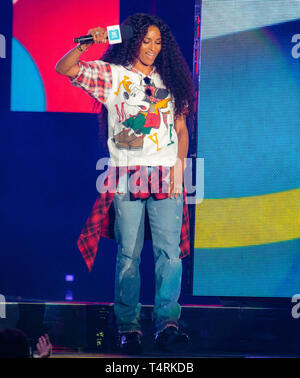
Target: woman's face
[[150, 47]]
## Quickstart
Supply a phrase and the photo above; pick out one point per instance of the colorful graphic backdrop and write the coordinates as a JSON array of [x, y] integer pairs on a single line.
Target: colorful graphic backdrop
[[43, 31], [248, 225]]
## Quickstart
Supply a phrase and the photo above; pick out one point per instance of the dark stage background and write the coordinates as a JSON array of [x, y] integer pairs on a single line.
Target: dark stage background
[[48, 188]]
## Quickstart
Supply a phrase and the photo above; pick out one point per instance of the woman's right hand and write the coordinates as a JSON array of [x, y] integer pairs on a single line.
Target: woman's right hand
[[99, 34], [67, 65]]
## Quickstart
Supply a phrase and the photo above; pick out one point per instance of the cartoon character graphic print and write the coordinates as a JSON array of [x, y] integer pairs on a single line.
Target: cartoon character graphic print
[[146, 106]]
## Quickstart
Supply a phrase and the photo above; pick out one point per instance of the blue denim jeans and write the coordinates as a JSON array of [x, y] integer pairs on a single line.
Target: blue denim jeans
[[165, 217]]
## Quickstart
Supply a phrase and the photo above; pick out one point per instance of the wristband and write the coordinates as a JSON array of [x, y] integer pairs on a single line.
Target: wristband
[[79, 48]]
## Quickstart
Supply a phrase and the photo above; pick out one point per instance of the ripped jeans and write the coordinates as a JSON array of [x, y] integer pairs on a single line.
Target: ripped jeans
[[165, 217]]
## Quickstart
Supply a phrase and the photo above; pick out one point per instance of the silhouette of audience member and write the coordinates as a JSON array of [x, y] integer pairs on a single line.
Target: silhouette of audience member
[[14, 344]]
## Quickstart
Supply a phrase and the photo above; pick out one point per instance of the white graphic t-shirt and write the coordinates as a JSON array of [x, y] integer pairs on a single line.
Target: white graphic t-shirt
[[140, 113]]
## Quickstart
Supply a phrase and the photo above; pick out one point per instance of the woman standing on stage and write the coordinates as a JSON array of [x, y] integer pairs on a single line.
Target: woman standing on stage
[[147, 92]]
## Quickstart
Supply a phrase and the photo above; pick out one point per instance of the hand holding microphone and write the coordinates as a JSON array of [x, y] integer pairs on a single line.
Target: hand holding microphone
[[68, 66], [95, 35], [98, 34], [113, 34]]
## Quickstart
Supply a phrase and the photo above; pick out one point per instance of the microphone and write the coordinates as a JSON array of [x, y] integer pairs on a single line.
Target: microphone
[[115, 34]]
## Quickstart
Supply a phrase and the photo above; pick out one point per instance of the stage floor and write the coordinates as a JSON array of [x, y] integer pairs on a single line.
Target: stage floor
[[87, 330]]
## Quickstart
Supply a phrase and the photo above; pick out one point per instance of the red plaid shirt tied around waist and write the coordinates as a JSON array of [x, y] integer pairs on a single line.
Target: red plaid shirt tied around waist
[[101, 220]]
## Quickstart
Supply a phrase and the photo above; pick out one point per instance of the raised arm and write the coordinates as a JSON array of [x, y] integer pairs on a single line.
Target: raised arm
[[67, 65]]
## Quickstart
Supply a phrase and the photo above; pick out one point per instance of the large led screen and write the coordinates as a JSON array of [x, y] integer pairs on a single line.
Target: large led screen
[[43, 31], [247, 227]]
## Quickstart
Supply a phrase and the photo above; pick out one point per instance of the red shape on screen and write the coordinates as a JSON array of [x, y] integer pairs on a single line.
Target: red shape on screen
[[47, 28]]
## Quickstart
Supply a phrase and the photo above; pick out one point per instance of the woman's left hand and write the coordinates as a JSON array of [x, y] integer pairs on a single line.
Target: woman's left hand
[[176, 179]]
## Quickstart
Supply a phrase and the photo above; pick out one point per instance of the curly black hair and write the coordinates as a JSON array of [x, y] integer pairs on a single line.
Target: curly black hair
[[169, 63]]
